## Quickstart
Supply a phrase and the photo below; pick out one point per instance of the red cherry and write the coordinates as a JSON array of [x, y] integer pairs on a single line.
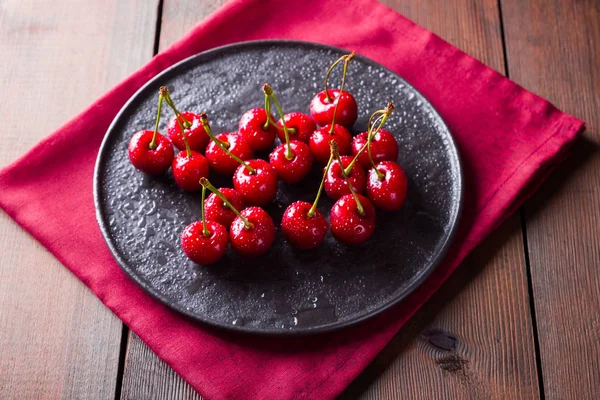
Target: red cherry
[[220, 161], [302, 230], [347, 224], [259, 187], [321, 108], [196, 135], [387, 191], [383, 147], [300, 127], [256, 237], [203, 249], [151, 161], [252, 128], [216, 210], [335, 183], [187, 171], [319, 142], [296, 169]]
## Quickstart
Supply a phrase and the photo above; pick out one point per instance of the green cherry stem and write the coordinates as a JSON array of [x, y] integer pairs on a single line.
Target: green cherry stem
[[289, 155], [165, 93], [169, 101], [160, 101], [362, 149], [359, 207], [205, 230], [311, 212], [206, 184], [223, 146], [336, 62], [346, 59], [268, 111]]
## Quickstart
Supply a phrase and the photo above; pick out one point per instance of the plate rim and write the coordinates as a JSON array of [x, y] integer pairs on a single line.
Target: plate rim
[[335, 326]]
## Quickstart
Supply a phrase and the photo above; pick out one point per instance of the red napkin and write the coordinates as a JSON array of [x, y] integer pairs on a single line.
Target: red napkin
[[509, 140]]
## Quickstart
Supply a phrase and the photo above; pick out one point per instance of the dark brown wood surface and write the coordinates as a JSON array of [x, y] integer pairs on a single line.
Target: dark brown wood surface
[[553, 49], [476, 338], [56, 339]]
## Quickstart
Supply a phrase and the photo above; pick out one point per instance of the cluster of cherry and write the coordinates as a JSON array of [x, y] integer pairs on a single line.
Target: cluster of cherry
[[371, 169]]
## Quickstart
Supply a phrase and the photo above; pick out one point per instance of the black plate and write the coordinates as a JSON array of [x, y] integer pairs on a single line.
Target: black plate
[[286, 291]]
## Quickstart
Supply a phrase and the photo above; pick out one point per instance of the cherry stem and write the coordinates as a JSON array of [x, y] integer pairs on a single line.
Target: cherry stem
[[289, 155], [165, 94], [206, 184], [382, 117], [361, 210], [332, 145], [223, 146], [346, 59], [339, 60], [187, 124], [160, 101], [205, 230], [268, 111]]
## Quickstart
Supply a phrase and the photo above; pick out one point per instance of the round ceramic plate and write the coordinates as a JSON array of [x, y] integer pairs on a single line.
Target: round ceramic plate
[[285, 291]]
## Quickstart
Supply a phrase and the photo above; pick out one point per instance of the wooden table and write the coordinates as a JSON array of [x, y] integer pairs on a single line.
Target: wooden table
[[519, 319]]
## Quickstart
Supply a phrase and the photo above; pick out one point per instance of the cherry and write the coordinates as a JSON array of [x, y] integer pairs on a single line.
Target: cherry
[[322, 108], [303, 224], [337, 180], [203, 249], [319, 141], [383, 147], [330, 106], [304, 230], [256, 182], [149, 151], [252, 233], [225, 151], [296, 169], [352, 219], [258, 130], [188, 168], [196, 136], [204, 242], [300, 126], [387, 185], [292, 159], [218, 211]]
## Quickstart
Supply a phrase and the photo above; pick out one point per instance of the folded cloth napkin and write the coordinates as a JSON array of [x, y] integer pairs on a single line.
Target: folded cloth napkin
[[509, 140]]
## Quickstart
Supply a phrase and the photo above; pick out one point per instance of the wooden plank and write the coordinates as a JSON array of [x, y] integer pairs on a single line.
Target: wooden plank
[[148, 377], [57, 340], [553, 49], [481, 316]]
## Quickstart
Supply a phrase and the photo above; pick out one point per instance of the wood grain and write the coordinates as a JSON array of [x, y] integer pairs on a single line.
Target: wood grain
[[473, 339], [148, 377], [56, 339], [553, 49]]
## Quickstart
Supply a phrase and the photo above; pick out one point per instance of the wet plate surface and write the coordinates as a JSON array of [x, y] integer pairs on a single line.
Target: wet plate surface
[[285, 291]]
